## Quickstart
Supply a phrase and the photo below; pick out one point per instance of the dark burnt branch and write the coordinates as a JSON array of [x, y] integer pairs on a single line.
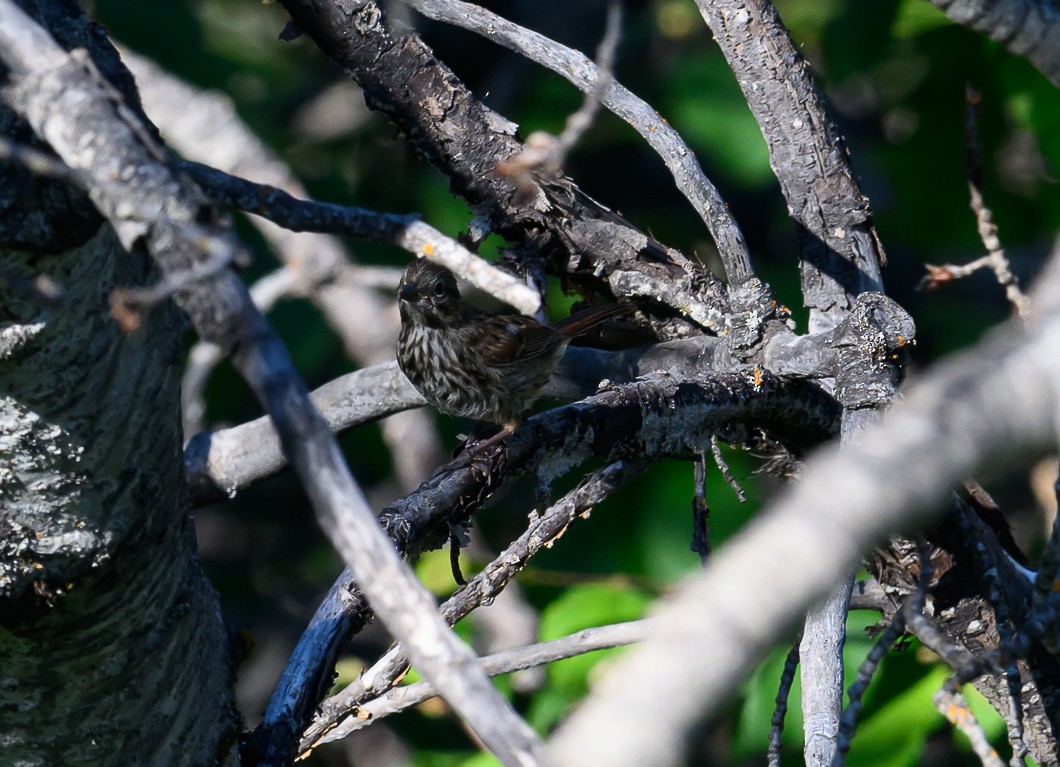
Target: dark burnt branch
[[840, 251], [654, 417], [405, 231], [224, 462], [308, 675], [659, 134], [886, 639], [69, 104], [977, 581], [544, 529], [582, 239], [700, 509], [651, 418], [1004, 625], [1047, 589], [1028, 28]]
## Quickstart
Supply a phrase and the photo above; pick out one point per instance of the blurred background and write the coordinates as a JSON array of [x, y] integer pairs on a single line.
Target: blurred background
[[895, 73]]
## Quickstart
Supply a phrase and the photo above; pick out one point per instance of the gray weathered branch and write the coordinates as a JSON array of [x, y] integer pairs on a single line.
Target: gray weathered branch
[[221, 463], [841, 253]]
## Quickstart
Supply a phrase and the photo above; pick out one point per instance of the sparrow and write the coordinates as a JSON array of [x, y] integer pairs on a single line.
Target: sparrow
[[466, 362]]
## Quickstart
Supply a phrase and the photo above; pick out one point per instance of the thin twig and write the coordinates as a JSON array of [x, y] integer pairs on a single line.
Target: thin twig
[[995, 259], [549, 153], [35, 160], [780, 710], [723, 466], [700, 510], [952, 705], [532, 656]]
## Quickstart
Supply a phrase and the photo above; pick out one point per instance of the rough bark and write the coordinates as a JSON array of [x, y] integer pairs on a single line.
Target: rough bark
[[113, 644]]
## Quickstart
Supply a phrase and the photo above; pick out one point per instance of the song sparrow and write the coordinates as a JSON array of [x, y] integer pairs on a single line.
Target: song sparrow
[[466, 362]]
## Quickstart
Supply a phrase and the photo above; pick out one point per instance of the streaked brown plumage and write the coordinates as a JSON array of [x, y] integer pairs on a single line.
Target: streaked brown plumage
[[466, 362]]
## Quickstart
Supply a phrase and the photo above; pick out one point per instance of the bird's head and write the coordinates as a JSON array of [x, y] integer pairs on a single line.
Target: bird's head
[[428, 293]]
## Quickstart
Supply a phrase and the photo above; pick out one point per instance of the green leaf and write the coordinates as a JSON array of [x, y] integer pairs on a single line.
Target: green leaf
[[915, 17], [894, 735], [580, 607]]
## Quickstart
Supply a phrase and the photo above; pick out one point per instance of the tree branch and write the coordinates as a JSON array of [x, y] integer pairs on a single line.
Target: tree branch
[[223, 462], [1027, 28], [204, 126], [840, 251], [405, 231], [585, 641], [575, 67], [219, 464], [543, 531]]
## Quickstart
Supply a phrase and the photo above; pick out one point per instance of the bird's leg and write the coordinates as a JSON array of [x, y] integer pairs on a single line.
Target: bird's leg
[[477, 447]]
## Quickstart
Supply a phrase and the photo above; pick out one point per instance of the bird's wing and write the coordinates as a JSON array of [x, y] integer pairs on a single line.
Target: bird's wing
[[506, 340]]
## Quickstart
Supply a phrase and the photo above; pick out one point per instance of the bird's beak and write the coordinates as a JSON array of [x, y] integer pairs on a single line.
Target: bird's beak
[[408, 292]]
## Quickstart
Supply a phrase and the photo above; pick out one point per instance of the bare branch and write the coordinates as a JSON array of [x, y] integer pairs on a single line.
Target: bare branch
[[204, 356], [224, 462], [953, 706], [204, 126], [581, 239], [407, 232], [549, 153], [220, 463], [776, 728], [886, 639]]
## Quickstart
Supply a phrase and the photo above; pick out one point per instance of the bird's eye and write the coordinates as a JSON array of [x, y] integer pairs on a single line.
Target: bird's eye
[[438, 290]]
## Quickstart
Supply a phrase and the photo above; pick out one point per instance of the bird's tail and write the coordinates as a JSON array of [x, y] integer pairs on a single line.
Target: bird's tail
[[583, 321]]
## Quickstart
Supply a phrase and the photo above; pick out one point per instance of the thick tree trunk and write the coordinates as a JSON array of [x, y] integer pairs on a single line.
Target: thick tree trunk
[[113, 647]]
